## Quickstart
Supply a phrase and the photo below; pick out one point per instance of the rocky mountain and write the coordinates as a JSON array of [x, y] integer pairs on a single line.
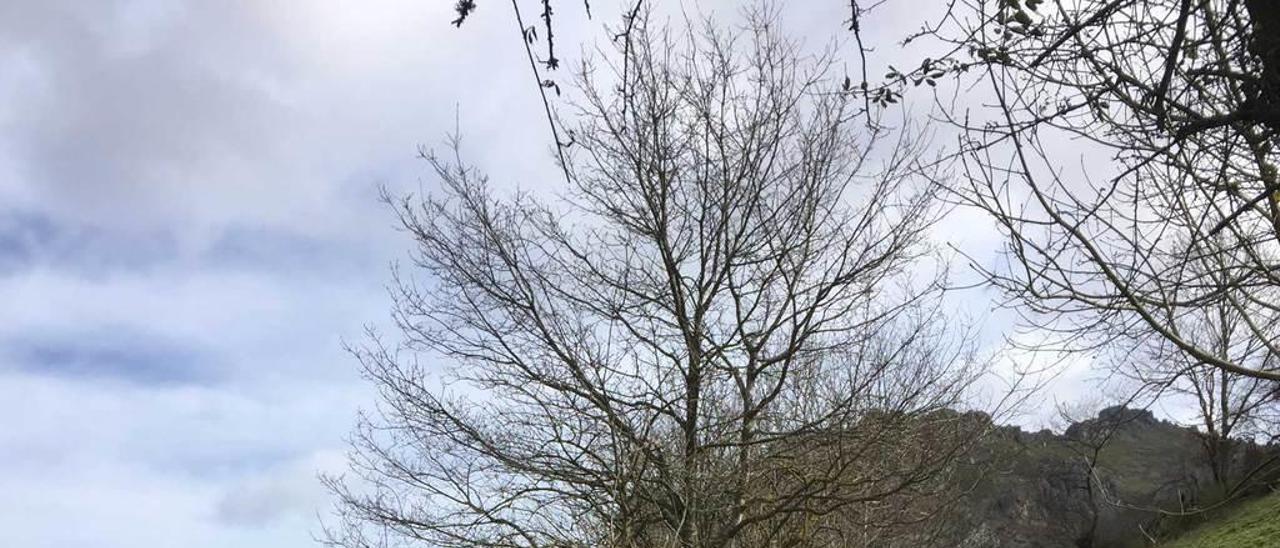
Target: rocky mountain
[[1113, 481]]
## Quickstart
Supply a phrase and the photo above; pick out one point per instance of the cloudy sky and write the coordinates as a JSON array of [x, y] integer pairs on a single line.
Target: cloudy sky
[[189, 230]]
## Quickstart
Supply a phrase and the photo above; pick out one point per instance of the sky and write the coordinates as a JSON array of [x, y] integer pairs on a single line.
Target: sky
[[190, 230]]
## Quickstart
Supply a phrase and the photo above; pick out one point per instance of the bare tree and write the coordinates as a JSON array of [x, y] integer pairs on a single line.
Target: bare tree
[[1232, 410], [1182, 96], [727, 334]]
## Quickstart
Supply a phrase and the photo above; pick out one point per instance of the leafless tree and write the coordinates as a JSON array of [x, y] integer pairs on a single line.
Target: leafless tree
[[1181, 97], [728, 333], [1232, 410]]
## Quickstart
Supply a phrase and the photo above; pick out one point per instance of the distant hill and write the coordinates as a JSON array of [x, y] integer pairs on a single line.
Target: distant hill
[[1032, 490]]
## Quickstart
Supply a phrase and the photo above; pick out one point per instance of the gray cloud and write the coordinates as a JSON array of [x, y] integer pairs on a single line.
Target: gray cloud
[[31, 239], [110, 354], [111, 116]]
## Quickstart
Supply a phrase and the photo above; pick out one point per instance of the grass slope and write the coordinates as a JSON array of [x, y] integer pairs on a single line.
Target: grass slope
[[1254, 524]]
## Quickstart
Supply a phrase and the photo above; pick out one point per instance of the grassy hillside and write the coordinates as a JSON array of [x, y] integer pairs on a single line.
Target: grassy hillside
[[1254, 524]]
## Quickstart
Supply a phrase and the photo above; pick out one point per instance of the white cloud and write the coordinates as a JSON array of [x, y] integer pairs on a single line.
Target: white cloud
[[123, 465], [287, 491]]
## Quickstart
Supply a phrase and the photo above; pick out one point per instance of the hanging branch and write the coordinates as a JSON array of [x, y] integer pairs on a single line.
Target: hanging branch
[[542, 89]]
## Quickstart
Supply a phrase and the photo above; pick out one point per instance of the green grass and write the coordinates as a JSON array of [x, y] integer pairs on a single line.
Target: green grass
[[1254, 524]]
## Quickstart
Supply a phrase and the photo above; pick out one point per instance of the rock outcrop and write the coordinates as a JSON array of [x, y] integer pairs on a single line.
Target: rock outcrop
[[1107, 482]]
